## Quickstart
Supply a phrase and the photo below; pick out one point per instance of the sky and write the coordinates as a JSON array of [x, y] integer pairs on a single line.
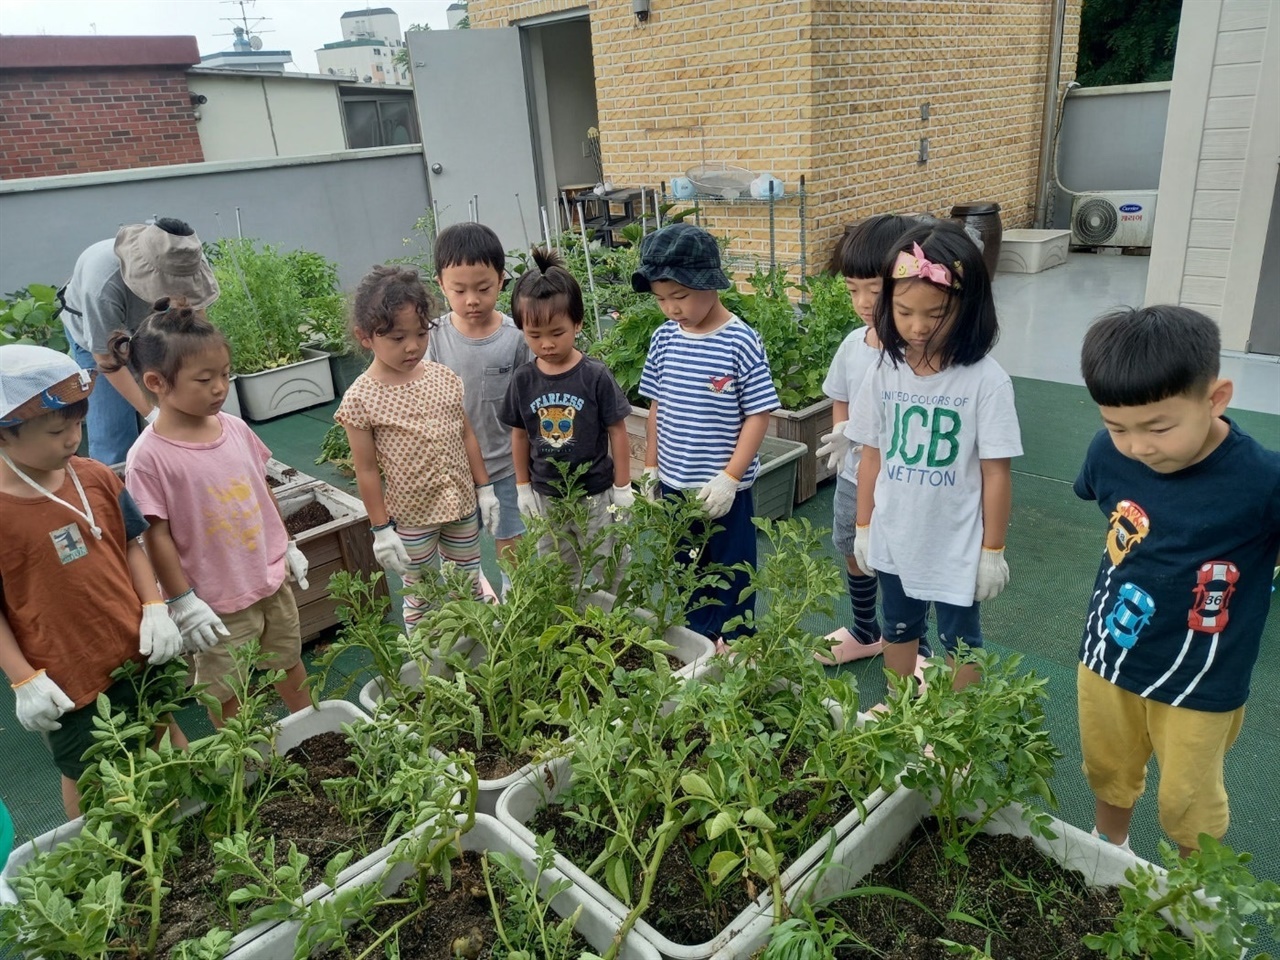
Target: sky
[[301, 26]]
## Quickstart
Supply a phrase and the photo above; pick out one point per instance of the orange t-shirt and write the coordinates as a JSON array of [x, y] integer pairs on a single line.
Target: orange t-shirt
[[69, 598]]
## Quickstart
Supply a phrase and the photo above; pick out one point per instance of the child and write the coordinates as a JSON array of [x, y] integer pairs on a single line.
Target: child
[[405, 421], [938, 427], [216, 533], [482, 346], [78, 596], [564, 408], [859, 257], [1183, 588], [708, 381]]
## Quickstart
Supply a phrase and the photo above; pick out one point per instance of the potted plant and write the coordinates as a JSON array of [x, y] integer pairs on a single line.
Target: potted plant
[[262, 311], [325, 316]]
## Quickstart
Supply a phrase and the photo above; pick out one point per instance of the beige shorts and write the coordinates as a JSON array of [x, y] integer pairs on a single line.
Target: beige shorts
[[273, 622], [1119, 731]]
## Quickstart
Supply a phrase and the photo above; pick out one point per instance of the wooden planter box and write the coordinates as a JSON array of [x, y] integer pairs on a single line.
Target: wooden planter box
[[805, 426], [345, 543], [777, 484]]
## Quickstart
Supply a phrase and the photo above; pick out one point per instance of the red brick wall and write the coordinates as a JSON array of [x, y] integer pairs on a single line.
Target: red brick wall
[[79, 121]]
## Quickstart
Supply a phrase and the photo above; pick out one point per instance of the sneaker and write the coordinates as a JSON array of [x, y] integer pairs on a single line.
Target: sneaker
[[845, 648], [1103, 837]]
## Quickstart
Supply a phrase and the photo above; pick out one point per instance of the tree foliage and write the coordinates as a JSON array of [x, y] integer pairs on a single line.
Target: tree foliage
[[1127, 41]]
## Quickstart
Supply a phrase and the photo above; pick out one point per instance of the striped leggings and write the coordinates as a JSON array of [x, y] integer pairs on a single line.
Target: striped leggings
[[456, 542]]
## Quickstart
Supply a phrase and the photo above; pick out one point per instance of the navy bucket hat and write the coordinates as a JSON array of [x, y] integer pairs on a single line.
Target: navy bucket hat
[[683, 253]]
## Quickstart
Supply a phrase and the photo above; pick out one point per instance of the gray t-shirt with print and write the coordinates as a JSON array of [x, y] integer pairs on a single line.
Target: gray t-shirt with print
[[485, 366], [98, 302]]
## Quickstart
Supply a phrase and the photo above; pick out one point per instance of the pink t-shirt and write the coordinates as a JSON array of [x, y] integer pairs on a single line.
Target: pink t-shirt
[[230, 538]]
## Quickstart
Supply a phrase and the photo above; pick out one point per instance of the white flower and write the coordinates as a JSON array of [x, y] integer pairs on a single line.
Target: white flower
[[693, 554], [611, 509]]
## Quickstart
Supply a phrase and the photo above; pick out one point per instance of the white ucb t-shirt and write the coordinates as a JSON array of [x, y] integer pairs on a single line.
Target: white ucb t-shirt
[[849, 368], [932, 433]]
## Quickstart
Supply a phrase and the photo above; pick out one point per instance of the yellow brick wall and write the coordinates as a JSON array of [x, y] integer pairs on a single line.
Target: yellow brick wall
[[826, 88]]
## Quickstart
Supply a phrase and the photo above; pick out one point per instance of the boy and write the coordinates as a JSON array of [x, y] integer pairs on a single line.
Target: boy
[[482, 346], [708, 381], [78, 596], [1184, 585]]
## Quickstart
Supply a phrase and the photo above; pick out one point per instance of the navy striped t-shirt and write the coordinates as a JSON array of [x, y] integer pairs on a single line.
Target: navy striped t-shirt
[[705, 386]]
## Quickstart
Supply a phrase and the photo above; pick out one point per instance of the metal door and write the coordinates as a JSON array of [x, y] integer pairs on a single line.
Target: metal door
[[477, 138]]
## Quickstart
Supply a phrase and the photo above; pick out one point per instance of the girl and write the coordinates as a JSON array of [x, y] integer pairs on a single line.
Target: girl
[[938, 427], [217, 537], [859, 257], [564, 408], [405, 422]]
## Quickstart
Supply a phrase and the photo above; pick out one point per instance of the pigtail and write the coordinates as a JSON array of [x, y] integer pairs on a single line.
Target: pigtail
[[120, 350]]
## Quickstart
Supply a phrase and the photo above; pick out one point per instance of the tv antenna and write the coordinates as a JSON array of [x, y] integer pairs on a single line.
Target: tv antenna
[[242, 29]]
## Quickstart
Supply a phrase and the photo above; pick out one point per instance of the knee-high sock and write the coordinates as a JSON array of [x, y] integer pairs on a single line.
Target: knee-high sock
[[862, 594]]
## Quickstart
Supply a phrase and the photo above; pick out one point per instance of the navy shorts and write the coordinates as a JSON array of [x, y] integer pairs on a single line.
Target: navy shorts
[[906, 618]]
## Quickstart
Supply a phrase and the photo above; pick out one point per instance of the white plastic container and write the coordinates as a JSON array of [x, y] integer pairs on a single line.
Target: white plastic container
[[1031, 251], [273, 393]]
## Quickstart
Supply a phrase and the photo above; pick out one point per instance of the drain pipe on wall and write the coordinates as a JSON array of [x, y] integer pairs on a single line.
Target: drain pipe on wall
[[1049, 112]]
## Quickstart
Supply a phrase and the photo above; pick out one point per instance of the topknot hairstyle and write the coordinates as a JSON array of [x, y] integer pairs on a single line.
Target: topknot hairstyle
[[172, 333], [545, 290], [383, 292]]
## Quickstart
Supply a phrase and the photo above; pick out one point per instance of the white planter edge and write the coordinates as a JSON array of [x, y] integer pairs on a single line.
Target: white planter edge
[[273, 393]]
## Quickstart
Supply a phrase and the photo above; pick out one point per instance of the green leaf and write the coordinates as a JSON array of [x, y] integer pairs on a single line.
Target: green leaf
[[722, 864], [694, 785], [720, 824], [619, 879], [759, 819], [763, 863]]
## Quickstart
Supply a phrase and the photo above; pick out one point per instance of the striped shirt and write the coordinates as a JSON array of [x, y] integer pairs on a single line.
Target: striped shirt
[[705, 385]]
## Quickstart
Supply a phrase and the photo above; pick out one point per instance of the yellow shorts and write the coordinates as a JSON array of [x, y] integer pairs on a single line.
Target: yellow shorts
[[273, 622], [1119, 731]]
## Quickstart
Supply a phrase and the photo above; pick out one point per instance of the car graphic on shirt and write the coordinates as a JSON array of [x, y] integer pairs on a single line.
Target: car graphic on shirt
[[1215, 583], [1133, 610]]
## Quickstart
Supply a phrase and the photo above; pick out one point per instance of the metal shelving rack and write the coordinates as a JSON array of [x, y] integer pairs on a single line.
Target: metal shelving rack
[[745, 262]]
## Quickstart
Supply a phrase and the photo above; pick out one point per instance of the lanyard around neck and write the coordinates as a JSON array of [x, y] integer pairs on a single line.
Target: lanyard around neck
[[86, 514]]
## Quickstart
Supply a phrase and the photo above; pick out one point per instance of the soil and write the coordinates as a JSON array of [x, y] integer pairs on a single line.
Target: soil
[[491, 764], [305, 817], [460, 913], [312, 515], [287, 474], [1046, 923]]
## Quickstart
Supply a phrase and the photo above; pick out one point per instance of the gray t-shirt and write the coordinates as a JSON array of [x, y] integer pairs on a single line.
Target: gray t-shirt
[[98, 302], [485, 367]]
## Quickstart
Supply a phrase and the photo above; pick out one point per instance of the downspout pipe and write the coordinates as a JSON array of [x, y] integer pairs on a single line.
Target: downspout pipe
[[1049, 112]]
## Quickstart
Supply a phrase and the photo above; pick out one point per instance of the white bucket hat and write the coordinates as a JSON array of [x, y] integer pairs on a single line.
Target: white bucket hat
[[155, 263], [36, 380]]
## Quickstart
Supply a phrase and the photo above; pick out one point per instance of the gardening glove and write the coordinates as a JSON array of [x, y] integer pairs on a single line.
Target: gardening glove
[[649, 484], [622, 499], [527, 500], [159, 639], [298, 564], [199, 625], [489, 510], [993, 575], [861, 541], [40, 703], [717, 495], [835, 446], [389, 551]]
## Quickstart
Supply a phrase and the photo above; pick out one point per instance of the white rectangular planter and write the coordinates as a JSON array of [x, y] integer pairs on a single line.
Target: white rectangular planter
[[232, 404], [596, 925], [286, 478], [517, 806], [1031, 251], [273, 393]]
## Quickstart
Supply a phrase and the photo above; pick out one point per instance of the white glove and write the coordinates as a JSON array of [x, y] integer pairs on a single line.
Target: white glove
[[198, 624], [649, 484], [298, 564], [389, 551], [861, 540], [159, 639], [40, 703], [527, 500], [717, 495], [489, 510], [835, 446], [622, 498], [993, 575], [155, 413]]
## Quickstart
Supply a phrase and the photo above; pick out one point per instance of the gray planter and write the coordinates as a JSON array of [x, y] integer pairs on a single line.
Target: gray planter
[[273, 393], [345, 367]]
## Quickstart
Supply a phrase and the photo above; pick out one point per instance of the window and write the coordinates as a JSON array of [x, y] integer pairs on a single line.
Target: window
[[379, 122]]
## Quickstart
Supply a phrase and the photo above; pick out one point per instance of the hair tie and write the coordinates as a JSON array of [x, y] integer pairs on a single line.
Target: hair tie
[[916, 264]]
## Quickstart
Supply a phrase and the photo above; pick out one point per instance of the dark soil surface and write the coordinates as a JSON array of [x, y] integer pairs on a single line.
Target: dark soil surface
[[461, 915], [638, 658], [306, 817], [312, 515], [491, 762], [1032, 909]]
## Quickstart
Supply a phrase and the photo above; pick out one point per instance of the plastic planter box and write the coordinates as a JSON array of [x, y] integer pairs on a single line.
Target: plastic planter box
[[273, 393], [1031, 251]]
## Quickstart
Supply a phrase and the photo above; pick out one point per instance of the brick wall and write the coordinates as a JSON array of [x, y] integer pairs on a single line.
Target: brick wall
[[60, 122], [826, 88]]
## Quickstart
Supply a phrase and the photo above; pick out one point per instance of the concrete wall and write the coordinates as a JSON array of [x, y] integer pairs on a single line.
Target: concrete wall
[[355, 207], [1111, 138], [249, 117]]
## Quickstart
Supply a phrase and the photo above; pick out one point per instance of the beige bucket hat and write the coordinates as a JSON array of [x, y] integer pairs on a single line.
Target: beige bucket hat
[[155, 263]]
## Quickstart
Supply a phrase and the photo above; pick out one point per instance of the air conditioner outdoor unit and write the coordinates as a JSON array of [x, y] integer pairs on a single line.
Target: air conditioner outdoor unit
[[1115, 218]]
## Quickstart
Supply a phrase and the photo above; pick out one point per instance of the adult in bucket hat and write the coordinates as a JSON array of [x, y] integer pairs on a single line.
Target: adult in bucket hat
[[112, 287]]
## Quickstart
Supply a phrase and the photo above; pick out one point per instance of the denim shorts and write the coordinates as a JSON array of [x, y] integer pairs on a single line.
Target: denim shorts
[[844, 516], [906, 618], [510, 523]]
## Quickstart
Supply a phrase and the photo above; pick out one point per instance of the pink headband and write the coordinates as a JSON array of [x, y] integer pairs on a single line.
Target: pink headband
[[915, 264]]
